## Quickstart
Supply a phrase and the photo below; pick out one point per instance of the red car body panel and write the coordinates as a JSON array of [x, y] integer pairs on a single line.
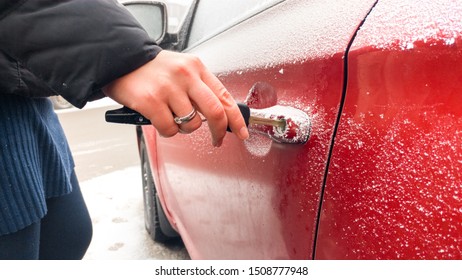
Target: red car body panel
[[394, 186], [259, 199], [380, 176]]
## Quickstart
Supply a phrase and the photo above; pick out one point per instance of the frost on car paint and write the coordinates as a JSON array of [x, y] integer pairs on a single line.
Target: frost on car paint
[[292, 36], [394, 184], [398, 183], [407, 23], [314, 30]]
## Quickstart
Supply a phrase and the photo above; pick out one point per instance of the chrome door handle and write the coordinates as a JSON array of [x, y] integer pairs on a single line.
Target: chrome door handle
[[283, 124]]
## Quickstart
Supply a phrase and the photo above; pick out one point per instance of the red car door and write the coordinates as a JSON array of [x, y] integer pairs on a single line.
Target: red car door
[[259, 199], [394, 184]]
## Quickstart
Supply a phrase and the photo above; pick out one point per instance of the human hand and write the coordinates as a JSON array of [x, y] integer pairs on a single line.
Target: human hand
[[173, 84]]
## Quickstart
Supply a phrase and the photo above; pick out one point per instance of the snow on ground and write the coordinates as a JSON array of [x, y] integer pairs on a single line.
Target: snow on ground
[[115, 202]]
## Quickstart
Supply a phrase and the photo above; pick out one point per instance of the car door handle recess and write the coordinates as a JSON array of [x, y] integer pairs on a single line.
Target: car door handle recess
[[283, 124]]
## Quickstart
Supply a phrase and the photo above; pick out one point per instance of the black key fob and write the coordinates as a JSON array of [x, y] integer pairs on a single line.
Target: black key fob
[[126, 115]]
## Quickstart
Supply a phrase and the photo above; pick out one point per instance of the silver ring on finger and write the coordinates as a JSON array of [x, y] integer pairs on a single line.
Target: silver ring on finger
[[187, 118]]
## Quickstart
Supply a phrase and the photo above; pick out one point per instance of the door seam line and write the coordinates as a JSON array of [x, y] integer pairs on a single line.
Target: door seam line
[[337, 123]]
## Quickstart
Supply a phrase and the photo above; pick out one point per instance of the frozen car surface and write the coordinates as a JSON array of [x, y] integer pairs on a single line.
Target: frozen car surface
[[380, 176], [394, 184]]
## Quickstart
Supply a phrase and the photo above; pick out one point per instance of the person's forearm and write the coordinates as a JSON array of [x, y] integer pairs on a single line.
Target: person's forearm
[[76, 47]]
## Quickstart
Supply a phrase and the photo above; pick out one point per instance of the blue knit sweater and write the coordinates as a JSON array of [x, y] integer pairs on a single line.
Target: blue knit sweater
[[35, 160]]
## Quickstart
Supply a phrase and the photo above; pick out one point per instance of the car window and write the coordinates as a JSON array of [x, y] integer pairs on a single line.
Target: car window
[[215, 16], [176, 10]]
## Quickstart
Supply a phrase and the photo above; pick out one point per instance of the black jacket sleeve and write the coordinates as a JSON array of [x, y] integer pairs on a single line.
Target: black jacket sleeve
[[75, 46]]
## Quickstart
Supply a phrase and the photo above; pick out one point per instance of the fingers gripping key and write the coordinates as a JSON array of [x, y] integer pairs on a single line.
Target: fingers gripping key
[[283, 124]]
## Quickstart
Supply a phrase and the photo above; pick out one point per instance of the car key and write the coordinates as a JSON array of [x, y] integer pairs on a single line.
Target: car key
[[283, 124], [126, 115]]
